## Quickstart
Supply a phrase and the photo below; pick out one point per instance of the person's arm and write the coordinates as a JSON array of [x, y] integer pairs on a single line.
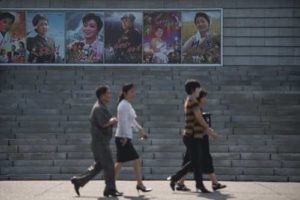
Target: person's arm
[[123, 120], [101, 119], [202, 122]]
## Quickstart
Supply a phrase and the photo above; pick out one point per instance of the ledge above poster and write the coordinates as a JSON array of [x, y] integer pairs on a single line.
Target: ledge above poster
[[111, 37]]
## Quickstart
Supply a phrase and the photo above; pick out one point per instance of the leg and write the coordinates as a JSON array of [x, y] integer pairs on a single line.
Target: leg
[[213, 178], [197, 160], [137, 172], [118, 167], [89, 174], [181, 181], [109, 170]]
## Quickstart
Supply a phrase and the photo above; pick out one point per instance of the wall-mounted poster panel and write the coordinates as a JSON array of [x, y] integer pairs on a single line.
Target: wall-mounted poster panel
[[162, 37], [45, 40], [201, 37], [84, 37], [123, 41], [12, 37], [111, 37]]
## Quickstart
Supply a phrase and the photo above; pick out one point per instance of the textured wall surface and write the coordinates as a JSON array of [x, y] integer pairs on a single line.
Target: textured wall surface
[[254, 99]]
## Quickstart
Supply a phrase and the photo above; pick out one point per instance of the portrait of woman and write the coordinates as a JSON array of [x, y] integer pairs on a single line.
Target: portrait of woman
[[159, 47], [203, 46], [84, 38], [44, 44], [162, 37]]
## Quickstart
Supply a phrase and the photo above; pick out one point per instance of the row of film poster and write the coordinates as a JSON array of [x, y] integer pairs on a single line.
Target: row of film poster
[[121, 37]]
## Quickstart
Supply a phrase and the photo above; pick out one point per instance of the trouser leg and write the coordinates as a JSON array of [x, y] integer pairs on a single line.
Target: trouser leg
[[109, 170], [89, 174]]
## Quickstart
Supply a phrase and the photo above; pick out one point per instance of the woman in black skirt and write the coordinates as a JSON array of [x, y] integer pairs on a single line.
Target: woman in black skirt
[[207, 158], [124, 133]]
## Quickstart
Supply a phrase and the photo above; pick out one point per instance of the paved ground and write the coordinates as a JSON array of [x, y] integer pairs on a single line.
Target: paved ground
[[62, 190]]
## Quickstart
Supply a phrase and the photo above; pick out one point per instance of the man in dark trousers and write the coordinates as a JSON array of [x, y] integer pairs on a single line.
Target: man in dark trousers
[[102, 123]]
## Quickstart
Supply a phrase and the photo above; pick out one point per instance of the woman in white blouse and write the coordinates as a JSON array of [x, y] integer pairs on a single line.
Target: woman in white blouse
[[124, 133]]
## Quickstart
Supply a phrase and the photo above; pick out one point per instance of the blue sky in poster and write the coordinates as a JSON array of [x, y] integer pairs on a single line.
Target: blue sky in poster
[[56, 27]]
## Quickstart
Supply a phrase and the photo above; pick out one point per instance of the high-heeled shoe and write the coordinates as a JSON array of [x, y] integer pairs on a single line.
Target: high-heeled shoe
[[112, 193], [172, 183], [76, 185], [143, 188], [218, 186]]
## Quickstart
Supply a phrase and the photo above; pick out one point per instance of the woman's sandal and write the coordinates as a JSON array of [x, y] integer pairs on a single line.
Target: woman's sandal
[[182, 187], [218, 186]]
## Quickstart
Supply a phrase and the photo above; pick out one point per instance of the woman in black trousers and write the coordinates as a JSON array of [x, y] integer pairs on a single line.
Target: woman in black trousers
[[194, 130], [207, 167]]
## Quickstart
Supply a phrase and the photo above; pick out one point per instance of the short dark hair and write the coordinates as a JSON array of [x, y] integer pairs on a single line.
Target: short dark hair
[[191, 85], [92, 16], [101, 90], [202, 14], [37, 18]]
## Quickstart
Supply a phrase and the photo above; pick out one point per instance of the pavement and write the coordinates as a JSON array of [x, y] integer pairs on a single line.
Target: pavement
[[63, 190]]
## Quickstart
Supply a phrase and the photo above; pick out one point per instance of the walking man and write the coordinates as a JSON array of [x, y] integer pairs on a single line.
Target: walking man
[[102, 123]]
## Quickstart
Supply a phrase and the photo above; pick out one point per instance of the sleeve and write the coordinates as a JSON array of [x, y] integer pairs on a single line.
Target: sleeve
[[194, 106], [101, 119], [123, 120]]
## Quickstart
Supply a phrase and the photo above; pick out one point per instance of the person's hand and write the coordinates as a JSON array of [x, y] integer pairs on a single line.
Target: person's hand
[[124, 141], [144, 136], [113, 121], [212, 133]]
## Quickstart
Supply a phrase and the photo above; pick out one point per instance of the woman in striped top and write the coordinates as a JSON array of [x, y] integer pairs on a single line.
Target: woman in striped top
[[194, 129]]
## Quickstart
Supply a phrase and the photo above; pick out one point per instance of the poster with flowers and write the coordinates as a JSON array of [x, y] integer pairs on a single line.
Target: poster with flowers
[[84, 37]]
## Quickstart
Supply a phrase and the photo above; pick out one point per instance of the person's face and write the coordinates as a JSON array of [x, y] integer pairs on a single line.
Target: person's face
[[202, 24], [42, 27], [90, 29], [159, 33], [107, 96], [130, 95], [13, 48], [126, 23], [5, 24]]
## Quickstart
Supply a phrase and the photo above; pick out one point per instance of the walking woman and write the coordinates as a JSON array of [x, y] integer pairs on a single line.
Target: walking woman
[[207, 158], [124, 133], [194, 129]]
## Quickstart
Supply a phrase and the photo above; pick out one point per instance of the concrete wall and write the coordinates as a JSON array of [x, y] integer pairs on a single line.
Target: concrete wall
[[256, 32]]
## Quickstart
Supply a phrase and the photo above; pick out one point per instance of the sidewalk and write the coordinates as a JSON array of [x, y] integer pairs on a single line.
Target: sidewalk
[[63, 190]]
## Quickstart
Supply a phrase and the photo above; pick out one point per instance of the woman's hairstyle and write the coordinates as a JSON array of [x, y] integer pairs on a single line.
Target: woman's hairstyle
[[37, 18], [125, 89], [202, 94], [101, 90], [191, 85], [92, 16], [202, 14]]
